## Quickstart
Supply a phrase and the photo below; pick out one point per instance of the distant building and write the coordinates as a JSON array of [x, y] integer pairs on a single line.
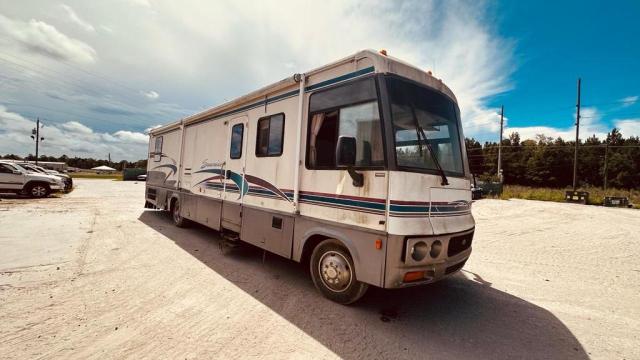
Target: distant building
[[103, 169]]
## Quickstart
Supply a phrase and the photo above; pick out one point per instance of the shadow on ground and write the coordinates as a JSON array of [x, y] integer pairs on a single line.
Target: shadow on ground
[[462, 317]]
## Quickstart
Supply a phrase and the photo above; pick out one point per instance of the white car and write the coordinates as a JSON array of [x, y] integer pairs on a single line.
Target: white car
[[14, 178], [68, 181]]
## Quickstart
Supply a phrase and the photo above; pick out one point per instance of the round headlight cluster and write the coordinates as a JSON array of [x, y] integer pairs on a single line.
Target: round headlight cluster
[[419, 251]]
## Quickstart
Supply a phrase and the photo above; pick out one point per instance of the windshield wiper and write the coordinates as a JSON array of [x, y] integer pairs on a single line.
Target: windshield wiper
[[420, 131]]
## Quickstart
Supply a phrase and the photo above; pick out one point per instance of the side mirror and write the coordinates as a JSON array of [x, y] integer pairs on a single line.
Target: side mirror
[[346, 151], [346, 156], [17, 172]]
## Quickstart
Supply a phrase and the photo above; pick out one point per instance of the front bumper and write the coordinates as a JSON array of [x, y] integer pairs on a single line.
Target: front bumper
[[455, 250], [68, 184]]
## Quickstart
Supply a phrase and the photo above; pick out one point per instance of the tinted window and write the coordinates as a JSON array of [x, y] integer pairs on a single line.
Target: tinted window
[[355, 92], [270, 135], [157, 152], [237, 132], [5, 169], [350, 110]]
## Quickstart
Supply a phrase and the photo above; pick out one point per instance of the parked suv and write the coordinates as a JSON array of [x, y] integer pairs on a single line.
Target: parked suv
[[14, 178], [68, 182]]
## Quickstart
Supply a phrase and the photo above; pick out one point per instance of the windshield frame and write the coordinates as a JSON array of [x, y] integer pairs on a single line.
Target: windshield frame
[[391, 138]]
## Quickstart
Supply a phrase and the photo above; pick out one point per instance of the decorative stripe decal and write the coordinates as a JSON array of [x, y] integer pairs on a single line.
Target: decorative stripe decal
[[173, 169], [255, 186]]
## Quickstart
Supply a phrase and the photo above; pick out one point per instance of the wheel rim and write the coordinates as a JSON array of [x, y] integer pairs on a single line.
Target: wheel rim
[[335, 271], [38, 191], [176, 212]]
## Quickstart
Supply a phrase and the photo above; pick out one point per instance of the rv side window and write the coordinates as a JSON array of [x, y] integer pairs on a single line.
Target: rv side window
[[157, 152], [270, 136], [237, 131], [350, 110]]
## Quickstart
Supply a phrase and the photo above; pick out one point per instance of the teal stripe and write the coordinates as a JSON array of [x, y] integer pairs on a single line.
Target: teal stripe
[[340, 78], [347, 202], [412, 209]]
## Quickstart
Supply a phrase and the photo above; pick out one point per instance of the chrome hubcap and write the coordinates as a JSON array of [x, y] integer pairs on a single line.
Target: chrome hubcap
[[335, 271], [38, 191]]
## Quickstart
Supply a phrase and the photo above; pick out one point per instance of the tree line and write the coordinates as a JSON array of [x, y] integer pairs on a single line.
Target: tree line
[[544, 162], [548, 162], [82, 163]]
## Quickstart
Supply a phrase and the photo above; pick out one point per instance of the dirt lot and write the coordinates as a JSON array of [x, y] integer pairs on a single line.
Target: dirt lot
[[93, 275]]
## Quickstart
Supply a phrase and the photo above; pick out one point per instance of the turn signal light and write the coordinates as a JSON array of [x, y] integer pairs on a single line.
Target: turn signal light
[[413, 276], [378, 244]]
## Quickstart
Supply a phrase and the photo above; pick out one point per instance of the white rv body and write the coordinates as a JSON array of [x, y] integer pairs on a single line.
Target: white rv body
[[261, 200]]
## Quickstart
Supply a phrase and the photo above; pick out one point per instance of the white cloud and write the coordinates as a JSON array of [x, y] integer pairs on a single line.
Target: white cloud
[[452, 38], [629, 100], [106, 29], [140, 2], [628, 127], [176, 50], [74, 18], [76, 127], [41, 38], [71, 138], [132, 137], [590, 124], [151, 95]]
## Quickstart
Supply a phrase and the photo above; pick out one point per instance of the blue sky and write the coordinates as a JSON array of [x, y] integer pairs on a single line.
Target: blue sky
[[101, 73], [557, 43]]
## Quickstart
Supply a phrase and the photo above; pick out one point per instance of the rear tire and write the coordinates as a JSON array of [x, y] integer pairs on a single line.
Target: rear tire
[[178, 220], [38, 190], [333, 273]]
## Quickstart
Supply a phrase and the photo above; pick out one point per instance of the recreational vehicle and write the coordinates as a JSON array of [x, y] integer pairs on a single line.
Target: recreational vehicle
[[356, 168]]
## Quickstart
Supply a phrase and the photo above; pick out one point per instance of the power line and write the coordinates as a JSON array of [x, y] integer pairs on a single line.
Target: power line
[[14, 64], [74, 68], [51, 77]]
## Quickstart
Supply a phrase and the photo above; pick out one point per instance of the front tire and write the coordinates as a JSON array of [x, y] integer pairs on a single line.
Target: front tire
[[38, 190], [333, 273]]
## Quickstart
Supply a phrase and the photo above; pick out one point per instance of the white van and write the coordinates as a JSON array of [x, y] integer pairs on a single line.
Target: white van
[[357, 168]]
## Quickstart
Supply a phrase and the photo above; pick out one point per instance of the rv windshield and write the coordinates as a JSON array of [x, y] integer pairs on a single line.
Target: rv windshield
[[424, 121]]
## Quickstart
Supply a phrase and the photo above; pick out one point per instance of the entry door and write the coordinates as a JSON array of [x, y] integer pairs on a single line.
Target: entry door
[[235, 185]]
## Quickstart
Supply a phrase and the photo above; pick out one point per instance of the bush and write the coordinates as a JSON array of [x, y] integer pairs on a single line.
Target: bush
[[596, 195]]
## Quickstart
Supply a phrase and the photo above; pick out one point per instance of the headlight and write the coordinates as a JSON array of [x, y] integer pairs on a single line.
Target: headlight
[[419, 250]]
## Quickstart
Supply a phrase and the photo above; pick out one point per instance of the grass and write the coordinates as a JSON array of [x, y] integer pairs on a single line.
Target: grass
[[81, 175], [596, 195]]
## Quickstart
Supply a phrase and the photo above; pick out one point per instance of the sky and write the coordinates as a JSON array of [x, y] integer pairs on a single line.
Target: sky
[[100, 74]]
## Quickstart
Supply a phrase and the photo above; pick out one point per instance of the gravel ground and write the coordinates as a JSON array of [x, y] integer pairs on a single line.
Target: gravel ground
[[93, 275]]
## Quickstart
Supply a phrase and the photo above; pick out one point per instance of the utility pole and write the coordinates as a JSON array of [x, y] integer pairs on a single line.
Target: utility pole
[[35, 135], [500, 144], [575, 154], [606, 152]]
